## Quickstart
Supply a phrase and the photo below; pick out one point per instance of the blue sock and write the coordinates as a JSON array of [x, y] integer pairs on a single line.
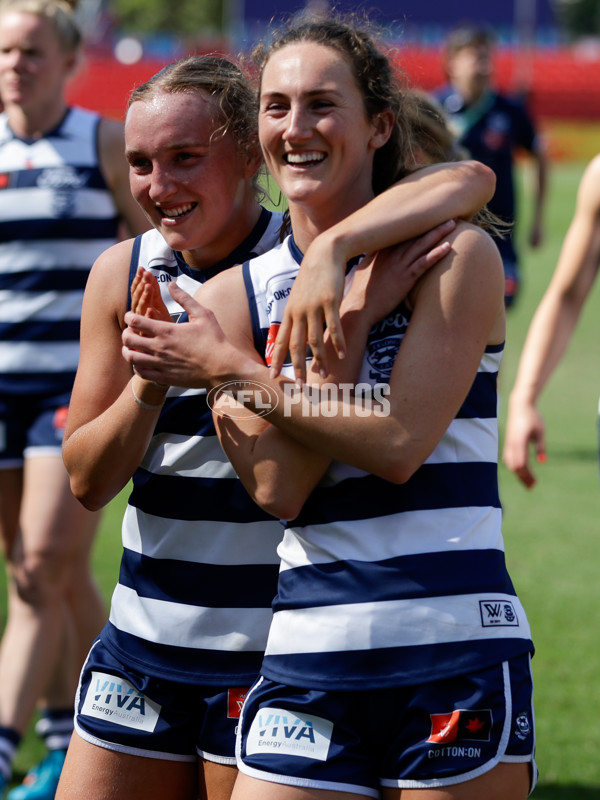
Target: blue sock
[[9, 742]]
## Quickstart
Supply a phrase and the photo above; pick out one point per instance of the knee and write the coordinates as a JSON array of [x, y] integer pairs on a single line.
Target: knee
[[40, 578]]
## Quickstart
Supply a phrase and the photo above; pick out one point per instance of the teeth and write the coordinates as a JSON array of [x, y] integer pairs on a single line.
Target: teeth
[[302, 158], [177, 212]]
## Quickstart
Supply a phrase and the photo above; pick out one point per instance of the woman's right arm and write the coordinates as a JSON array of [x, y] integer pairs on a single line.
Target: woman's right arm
[[409, 208], [552, 327], [108, 430]]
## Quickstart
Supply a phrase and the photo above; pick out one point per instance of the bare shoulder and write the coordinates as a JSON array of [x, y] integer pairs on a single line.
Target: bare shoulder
[[224, 290], [225, 295], [108, 282], [110, 133], [111, 148], [115, 258], [475, 253], [468, 283]]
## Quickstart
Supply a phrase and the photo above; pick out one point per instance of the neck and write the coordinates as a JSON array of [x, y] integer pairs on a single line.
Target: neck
[[35, 124], [471, 92], [221, 248], [308, 223]]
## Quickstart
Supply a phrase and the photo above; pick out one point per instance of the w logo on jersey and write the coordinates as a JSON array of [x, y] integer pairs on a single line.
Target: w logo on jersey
[[495, 613]]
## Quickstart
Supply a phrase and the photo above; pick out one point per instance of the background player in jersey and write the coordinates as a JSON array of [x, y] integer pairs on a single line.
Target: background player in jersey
[[493, 128], [64, 192], [552, 327], [385, 670], [190, 615]]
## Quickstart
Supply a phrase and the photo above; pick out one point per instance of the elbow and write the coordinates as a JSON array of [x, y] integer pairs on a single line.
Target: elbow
[[92, 494], [86, 495], [280, 502], [398, 465], [486, 178], [396, 472]]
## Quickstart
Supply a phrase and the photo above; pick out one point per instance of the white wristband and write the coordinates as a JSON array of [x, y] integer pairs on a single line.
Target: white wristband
[[141, 403]]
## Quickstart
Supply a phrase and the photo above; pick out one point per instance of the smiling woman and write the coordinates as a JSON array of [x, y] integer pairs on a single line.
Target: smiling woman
[[308, 126], [175, 172], [176, 637], [64, 197]]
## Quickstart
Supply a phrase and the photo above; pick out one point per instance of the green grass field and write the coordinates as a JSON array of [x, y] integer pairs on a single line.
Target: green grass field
[[552, 532]]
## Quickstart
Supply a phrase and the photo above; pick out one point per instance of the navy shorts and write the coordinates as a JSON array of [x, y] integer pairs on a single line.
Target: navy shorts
[[433, 735], [123, 710], [31, 425]]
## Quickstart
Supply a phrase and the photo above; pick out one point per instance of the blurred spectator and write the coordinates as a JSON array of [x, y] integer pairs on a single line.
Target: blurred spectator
[[492, 127]]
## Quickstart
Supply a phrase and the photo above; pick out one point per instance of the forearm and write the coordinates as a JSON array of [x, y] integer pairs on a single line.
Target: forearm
[[278, 471], [102, 454], [308, 425], [414, 205], [546, 342]]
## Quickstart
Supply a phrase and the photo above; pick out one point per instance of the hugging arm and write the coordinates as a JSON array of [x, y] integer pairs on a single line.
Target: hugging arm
[[458, 310], [411, 207]]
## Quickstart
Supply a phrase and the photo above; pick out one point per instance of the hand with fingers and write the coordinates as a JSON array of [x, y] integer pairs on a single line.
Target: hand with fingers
[[189, 354], [146, 299], [525, 429]]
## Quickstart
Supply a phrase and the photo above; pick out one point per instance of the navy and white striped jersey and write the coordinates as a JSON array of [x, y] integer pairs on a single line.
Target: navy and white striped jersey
[[56, 216], [199, 566], [385, 585]]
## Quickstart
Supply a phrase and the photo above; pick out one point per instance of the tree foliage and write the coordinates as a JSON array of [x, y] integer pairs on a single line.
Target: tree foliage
[[579, 17], [188, 18]]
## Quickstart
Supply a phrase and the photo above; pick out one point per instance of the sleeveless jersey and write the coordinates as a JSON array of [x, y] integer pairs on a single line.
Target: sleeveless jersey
[[199, 565], [56, 216], [386, 585]]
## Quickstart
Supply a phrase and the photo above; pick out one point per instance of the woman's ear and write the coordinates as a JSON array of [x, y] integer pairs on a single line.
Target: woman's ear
[[383, 124], [254, 161]]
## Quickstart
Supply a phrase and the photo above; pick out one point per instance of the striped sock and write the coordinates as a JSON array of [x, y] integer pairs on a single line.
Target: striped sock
[[55, 727], [9, 742]]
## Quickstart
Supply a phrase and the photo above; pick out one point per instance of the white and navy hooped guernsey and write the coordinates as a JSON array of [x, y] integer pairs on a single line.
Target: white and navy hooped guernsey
[[199, 566], [385, 585], [56, 216]]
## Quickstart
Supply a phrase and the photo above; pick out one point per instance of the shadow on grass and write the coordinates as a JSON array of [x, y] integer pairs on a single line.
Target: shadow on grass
[[574, 453], [552, 792]]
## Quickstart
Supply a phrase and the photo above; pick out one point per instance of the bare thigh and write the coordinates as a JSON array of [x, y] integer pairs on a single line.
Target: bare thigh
[[504, 782], [216, 780], [94, 773], [247, 788]]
